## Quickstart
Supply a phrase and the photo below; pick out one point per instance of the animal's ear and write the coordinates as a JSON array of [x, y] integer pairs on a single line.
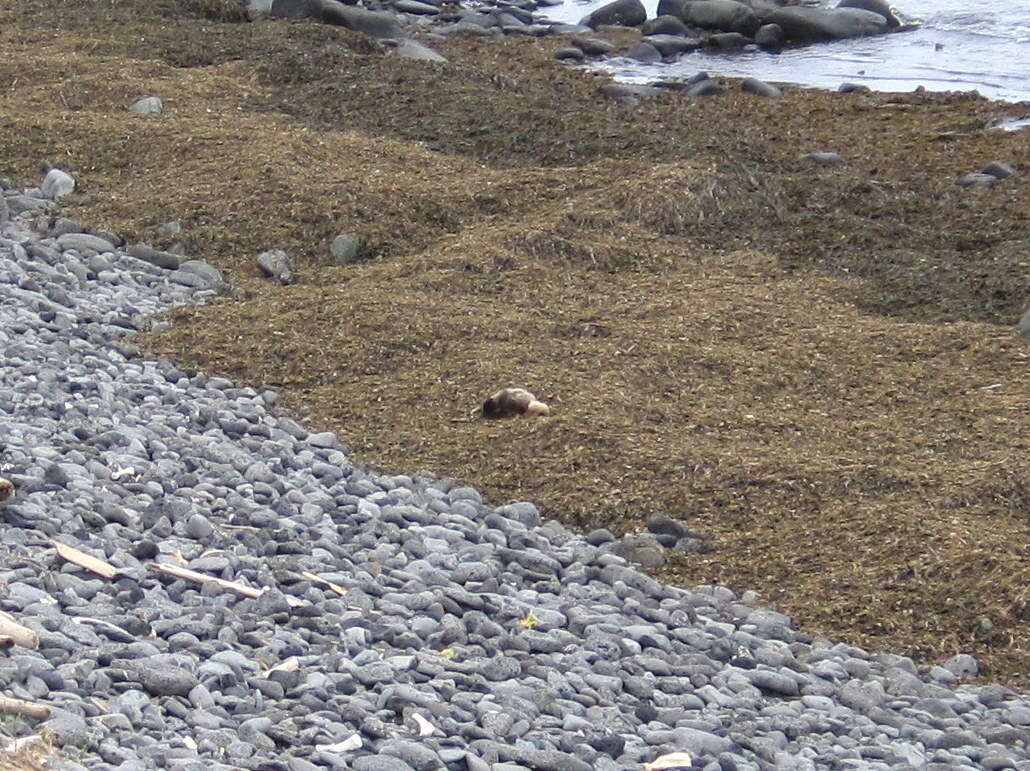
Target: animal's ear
[[490, 407]]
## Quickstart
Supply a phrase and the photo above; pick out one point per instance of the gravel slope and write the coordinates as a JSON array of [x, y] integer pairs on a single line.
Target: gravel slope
[[393, 606]]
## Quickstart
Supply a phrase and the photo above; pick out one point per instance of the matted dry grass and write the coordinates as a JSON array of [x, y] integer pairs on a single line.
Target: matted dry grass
[[32, 757], [814, 365]]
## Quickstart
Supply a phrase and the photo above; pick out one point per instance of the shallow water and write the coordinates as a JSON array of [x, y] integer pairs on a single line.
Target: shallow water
[[955, 48]]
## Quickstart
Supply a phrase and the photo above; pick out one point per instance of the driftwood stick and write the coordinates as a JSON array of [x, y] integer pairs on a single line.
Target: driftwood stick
[[21, 635], [24, 708], [324, 582], [203, 578], [83, 560]]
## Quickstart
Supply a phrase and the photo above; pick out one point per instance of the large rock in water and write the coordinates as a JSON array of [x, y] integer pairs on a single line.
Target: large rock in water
[[672, 8], [722, 15], [881, 7], [812, 25], [624, 13]]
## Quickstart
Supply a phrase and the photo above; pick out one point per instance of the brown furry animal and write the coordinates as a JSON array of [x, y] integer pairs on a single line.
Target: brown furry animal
[[514, 401], [6, 489]]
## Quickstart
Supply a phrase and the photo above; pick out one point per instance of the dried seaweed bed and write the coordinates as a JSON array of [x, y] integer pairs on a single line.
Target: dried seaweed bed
[[813, 364]]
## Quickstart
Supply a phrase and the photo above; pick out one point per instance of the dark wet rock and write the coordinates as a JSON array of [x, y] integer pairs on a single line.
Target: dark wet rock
[[662, 524], [415, 7], [721, 15], [592, 46], [851, 88], [881, 7], [759, 87], [467, 28], [672, 45], [706, 87], [729, 41], [672, 8], [803, 24], [643, 51], [569, 52], [161, 259], [622, 13], [377, 24], [769, 36], [665, 25]]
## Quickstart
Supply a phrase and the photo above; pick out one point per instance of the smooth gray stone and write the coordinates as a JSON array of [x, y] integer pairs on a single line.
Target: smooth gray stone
[[57, 183], [665, 25], [275, 263], [760, 87], [469, 28], [729, 41], [161, 259], [1023, 327], [148, 105], [998, 169], [825, 158], [82, 242], [769, 36], [676, 8], [976, 179], [411, 49], [721, 15], [16, 204], [643, 51], [377, 24], [345, 249], [592, 46], [706, 87], [167, 680], [415, 7], [63, 225], [198, 274], [803, 24], [621, 90], [569, 53], [294, 9], [672, 45], [380, 763], [881, 7]]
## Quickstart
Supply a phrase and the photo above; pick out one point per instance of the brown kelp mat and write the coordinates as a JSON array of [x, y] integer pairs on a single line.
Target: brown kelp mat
[[813, 364]]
